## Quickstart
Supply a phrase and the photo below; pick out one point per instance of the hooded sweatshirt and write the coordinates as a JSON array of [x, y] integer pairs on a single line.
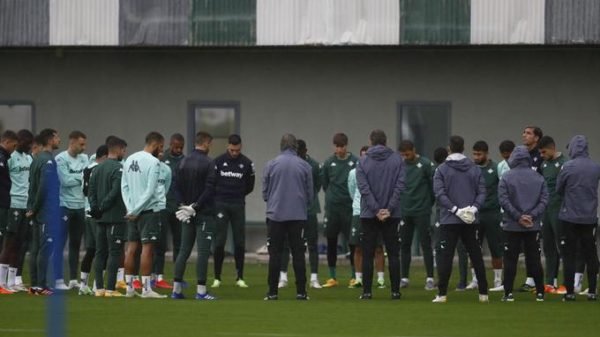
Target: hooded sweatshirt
[[380, 180], [522, 191], [577, 183], [458, 183]]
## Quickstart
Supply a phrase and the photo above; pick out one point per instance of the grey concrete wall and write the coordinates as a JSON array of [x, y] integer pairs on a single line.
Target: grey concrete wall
[[312, 93]]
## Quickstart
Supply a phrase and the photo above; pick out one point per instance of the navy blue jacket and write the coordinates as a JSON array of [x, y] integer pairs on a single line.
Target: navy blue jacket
[[522, 191], [380, 180], [287, 187], [234, 178], [195, 182], [458, 183], [577, 183]]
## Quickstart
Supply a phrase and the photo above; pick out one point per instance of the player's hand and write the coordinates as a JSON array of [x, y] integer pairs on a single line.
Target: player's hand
[[526, 221], [466, 215], [96, 213], [29, 214], [131, 217]]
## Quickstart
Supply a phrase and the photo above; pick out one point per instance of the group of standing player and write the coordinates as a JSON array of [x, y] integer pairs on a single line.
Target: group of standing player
[[124, 209]]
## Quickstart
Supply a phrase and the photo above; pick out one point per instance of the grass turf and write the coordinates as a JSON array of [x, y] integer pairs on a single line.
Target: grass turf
[[330, 312]]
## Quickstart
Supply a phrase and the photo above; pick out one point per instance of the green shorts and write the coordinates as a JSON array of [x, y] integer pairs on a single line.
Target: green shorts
[[146, 228], [3, 220], [355, 231], [16, 219], [489, 228], [91, 231], [338, 219]]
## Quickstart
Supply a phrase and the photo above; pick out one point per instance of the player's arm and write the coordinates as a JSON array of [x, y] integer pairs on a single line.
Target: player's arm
[[439, 189], [250, 178], [325, 175], [92, 190], [168, 177], [114, 194], [308, 185], [399, 187], [539, 209], [265, 181], [126, 192], [209, 188], [505, 203], [67, 179], [365, 191]]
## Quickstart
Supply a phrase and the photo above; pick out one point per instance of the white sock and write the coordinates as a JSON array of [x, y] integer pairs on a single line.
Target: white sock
[[497, 274], [201, 289], [12, 274], [3, 274], [153, 277], [160, 277], [313, 277], [283, 276], [358, 276], [177, 287], [429, 279], [19, 280], [474, 279], [146, 283], [84, 279], [129, 281], [530, 281], [555, 283], [380, 275], [121, 274], [578, 279], [136, 277]]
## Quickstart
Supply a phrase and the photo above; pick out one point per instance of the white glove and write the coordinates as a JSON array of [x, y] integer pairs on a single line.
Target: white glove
[[185, 213], [473, 209], [466, 215]]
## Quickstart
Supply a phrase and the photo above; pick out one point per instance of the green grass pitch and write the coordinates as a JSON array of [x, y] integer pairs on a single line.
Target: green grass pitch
[[330, 312]]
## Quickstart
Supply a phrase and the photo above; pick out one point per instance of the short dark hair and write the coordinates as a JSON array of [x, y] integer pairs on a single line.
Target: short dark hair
[[440, 154], [37, 139], [178, 137], [546, 142], [234, 139], [154, 137], [378, 137], [457, 144], [340, 139], [25, 135], [116, 142], [406, 145], [536, 131], [45, 136], [108, 139], [77, 134], [101, 151], [363, 148], [481, 146], [506, 146], [301, 145], [9, 135], [203, 137]]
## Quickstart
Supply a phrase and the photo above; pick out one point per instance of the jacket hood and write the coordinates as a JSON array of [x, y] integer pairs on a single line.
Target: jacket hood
[[458, 161], [379, 152], [520, 157], [578, 147]]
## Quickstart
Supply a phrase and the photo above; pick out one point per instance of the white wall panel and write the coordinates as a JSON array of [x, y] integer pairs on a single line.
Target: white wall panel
[[507, 21], [84, 22]]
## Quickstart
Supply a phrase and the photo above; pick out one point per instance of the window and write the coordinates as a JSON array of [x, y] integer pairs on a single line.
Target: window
[[426, 124], [17, 115], [220, 119]]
